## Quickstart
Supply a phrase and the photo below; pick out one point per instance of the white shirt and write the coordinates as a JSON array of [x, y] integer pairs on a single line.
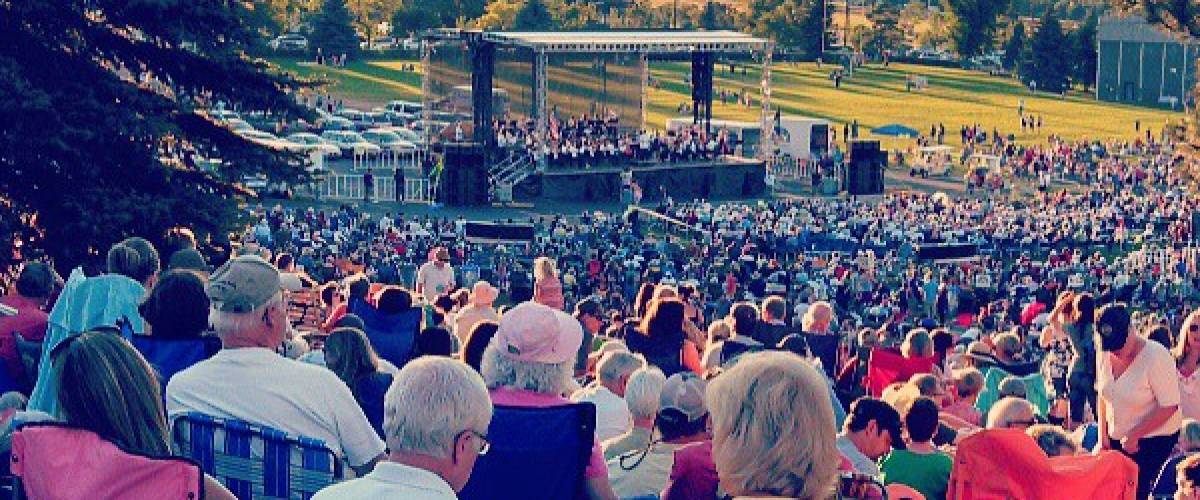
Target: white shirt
[[650, 475], [391, 480], [1150, 382], [434, 281], [261, 387], [861, 462], [612, 414]]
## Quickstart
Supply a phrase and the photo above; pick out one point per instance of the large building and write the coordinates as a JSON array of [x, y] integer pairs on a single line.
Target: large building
[[1142, 64]]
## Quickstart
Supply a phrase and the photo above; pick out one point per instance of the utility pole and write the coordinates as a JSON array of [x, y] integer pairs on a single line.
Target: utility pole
[[674, 14], [846, 28]]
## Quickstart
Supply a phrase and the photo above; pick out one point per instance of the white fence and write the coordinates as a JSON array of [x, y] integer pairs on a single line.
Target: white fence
[[351, 187]]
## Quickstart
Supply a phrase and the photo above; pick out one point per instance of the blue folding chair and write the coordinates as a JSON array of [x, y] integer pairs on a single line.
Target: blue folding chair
[[535, 453], [170, 356], [255, 462], [392, 335]]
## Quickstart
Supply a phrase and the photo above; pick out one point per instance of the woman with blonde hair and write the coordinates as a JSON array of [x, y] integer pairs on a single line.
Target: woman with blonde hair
[[547, 289], [105, 386], [1187, 360], [349, 355], [773, 428]]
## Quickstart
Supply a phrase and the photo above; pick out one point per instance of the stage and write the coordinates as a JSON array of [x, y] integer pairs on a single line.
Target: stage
[[726, 177]]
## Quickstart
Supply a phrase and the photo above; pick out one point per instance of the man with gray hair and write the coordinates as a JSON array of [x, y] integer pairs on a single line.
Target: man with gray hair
[[641, 396], [437, 417], [248, 379], [607, 393]]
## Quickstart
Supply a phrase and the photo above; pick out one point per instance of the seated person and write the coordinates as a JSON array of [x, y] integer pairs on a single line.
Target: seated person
[[968, 383], [608, 392], [1053, 440], [681, 420], [921, 465], [248, 380], [872, 428], [1011, 413], [641, 396], [1189, 445]]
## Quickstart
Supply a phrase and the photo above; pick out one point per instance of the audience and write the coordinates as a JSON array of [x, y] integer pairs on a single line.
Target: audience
[[642, 393], [608, 392], [248, 380], [32, 289], [871, 430], [436, 423], [1011, 413], [681, 420], [759, 407], [1053, 440], [920, 465], [477, 341], [177, 307], [479, 308], [349, 355]]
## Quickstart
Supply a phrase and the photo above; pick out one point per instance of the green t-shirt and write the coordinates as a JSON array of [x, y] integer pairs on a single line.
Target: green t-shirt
[[928, 474]]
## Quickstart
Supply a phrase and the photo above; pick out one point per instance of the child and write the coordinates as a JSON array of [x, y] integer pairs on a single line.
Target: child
[[968, 382]]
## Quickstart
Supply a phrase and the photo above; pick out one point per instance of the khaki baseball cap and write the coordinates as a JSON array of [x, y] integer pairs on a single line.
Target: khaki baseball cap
[[243, 284]]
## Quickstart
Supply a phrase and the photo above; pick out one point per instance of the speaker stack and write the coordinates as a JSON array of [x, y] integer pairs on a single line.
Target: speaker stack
[[464, 177], [864, 170]]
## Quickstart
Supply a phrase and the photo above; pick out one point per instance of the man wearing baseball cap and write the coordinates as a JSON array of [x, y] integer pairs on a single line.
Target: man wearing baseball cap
[[435, 277], [872, 429], [681, 421], [530, 362], [248, 380]]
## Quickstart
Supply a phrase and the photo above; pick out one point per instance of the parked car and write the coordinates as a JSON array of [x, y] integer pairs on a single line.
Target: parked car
[[384, 43], [312, 142], [376, 119], [268, 139], [289, 41], [408, 135], [335, 123], [238, 124], [411, 44], [349, 142], [405, 107], [387, 139], [360, 118], [223, 115], [396, 118]]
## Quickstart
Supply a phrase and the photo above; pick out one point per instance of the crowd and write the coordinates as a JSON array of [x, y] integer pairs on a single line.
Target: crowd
[[786, 348]]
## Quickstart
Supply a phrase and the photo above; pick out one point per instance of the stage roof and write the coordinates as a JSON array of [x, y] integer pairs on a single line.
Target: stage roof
[[629, 41]]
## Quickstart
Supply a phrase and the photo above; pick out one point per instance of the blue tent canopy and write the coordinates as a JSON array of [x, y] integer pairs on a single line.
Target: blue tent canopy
[[895, 129]]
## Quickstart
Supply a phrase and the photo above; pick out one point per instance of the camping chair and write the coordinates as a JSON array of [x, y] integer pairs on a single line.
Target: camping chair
[[1007, 463], [45, 454], [255, 462], [392, 335], [886, 367], [170, 356], [535, 453], [1035, 390], [30, 352]]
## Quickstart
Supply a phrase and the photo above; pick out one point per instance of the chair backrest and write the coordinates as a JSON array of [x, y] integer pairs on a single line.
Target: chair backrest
[[886, 367], [170, 356], [255, 462], [1035, 390], [304, 309], [535, 453], [43, 454], [30, 352], [392, 335], [1007, 463]]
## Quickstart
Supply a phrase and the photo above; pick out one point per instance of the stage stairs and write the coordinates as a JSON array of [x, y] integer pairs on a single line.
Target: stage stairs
[[509, 172]]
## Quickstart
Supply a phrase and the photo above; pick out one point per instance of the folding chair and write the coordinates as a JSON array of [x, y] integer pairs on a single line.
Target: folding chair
[[886, 367], [45, 454], [392, 335], [170, 356], [535, 453], [256, 462]]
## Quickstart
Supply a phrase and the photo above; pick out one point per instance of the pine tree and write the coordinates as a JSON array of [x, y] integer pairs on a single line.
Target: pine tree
[[333, 30], [533, 16], [1050, 52], [87, 152], [1083, 44]]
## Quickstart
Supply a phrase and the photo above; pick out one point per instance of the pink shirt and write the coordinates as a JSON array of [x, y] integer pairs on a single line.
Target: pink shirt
[[693, 475], [30, 322], [965, 411], [529, 399]]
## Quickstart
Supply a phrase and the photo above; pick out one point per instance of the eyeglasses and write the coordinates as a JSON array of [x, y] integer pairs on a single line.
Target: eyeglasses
[[484, 446], [1022, 423]]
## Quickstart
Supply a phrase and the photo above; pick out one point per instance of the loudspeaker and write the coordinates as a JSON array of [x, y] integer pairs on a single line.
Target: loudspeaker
[[495, 232], [948, 251], [864, 171], [464, 177]]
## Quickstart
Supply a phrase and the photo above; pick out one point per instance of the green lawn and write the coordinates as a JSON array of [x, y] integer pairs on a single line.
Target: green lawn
[[874, 96]]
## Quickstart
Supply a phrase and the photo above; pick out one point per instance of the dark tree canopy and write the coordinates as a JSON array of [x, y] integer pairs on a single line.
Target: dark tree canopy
[[973, 24], [96, 93], [1049, 49], [533, 16], [333, 30], [1083, 57], [798, 25], [1014, 47]]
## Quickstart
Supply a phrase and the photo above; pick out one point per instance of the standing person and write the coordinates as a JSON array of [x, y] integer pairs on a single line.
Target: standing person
[[398, 178], [1073, 318], [368, 185], [437, 420], [1139, 399], [1187, 363], [435, 277], [547, 288]]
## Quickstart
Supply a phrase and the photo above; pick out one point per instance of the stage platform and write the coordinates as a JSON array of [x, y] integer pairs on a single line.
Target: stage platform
[[726, 177]]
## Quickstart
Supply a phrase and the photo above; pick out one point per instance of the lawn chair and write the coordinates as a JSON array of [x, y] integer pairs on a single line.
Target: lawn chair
[[886, 367], [1007, 463], [535, 453], [44, 455], [392, 335], [255, 462], [170, 356], [1035, 390]]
